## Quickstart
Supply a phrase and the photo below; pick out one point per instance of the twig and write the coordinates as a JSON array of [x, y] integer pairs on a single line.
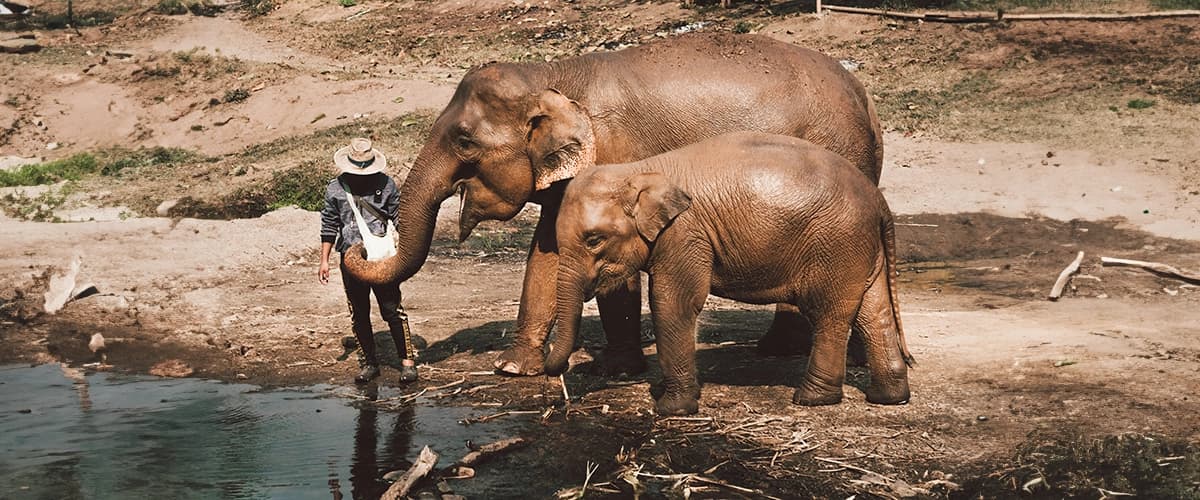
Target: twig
[[1109, 493], [358, 14], [913, 224], [562, 381], [716, 482], [1154, 267], [447, 386], [845, 465], [485, 418], [425, 462], [1065, 276]]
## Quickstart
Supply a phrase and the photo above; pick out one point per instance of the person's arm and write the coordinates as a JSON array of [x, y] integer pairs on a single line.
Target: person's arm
[[331, 225], [323, 272]]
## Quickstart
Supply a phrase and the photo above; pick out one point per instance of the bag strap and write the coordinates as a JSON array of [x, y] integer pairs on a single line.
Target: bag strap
[[364, 205]]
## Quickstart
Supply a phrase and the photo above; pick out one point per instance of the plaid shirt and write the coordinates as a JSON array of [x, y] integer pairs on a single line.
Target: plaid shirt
[[337, 221]]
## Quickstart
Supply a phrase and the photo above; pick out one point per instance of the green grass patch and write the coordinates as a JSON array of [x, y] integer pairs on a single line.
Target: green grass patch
[[38, 208], [1176, 4], [1139, 103], [109, 162], [117, 161], [71, 168], [302, 186]]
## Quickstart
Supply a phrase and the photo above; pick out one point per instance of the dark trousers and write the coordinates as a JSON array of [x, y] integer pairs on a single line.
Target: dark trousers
[[358, 299]]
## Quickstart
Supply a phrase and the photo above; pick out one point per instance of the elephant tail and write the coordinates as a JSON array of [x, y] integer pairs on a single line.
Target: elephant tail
[[888, 232]]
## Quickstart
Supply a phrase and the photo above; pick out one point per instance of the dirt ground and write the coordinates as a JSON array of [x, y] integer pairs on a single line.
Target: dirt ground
[[1009, 148]]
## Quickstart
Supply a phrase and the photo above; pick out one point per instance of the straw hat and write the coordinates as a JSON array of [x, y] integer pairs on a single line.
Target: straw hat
[[359, 158]]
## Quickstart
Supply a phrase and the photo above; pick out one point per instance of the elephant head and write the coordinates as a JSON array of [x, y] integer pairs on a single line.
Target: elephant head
[[502, 137], [607, 226]]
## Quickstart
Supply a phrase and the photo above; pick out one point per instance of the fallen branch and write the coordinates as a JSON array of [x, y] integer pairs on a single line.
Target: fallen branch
[[1065, 276], [990, 17], [1154, 267], [487, 450], [447, 386], [424, 464]]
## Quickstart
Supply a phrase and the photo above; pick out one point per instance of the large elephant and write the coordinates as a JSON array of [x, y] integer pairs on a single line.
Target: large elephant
[[507, 138], [754, 217]]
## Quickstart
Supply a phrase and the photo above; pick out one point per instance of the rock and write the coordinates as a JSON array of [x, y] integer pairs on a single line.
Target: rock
[[15, 162], [84, 290], [109, 302], [52, 146], [19, 46], [165, 207], [59, 289], [171, 368], [97, 343]]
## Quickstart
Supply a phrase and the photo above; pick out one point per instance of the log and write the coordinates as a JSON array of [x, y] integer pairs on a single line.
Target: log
[[399, 489], [1065, 276], [989, 17], [1154, 267], [488, 450]]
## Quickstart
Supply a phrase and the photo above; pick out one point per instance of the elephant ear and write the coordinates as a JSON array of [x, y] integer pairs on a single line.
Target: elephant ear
[[560, 140], [653, 201]]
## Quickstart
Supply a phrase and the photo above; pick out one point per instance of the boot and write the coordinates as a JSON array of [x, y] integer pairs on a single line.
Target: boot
[[369, 360], [368, 373], [408, 373]]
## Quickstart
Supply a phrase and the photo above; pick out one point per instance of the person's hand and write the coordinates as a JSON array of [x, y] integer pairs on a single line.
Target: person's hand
[[323, 273]]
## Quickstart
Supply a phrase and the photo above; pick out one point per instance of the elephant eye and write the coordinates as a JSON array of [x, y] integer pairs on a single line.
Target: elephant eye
[[593, 240], [464, 142]]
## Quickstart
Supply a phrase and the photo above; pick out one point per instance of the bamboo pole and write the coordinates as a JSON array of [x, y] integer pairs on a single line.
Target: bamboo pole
[[988, 17]]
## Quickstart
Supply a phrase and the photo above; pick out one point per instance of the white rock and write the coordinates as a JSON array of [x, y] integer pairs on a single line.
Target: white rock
[[61, 286], [165, 207]]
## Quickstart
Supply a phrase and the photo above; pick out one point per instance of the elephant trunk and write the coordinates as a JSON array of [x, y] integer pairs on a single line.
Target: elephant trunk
[[570, 297], [430, 182]]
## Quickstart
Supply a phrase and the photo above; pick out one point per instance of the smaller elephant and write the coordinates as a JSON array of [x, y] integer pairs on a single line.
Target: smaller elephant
[[753, 217]]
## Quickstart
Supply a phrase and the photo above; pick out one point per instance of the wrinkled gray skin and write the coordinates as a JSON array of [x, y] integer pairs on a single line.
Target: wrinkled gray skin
[[753, 217], [513, 133]]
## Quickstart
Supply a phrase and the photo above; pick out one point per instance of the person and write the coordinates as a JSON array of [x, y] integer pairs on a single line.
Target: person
[[362, 179]]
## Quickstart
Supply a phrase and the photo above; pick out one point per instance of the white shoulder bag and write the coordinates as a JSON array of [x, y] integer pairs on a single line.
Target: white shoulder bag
[[378, 247]]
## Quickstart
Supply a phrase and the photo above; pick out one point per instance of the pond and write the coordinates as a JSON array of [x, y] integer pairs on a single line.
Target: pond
[[65, 433]]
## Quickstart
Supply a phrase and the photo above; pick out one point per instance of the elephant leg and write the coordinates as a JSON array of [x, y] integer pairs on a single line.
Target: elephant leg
[[885, 362], [621, 316], [536, 313], [826, 371], [790, 333], [676, 303]]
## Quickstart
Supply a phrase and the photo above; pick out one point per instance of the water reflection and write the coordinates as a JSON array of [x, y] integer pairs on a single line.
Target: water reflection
[[66, 435], [369, 466]]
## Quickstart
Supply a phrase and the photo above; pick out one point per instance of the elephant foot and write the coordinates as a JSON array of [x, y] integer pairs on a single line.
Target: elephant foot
[[896, 395], [780, 344], [810, 395], [520, 360], [620, 362], [674, 404]]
